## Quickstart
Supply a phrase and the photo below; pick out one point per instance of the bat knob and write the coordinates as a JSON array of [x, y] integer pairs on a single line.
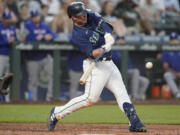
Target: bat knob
[[81, 82]]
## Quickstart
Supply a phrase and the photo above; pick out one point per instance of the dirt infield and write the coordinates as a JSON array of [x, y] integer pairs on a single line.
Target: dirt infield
[[88, 129], [84, 129]]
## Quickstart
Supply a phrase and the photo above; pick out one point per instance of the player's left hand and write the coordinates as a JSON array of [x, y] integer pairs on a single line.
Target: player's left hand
[[48, 37], [109, 39], [5, 81], [106, 47]]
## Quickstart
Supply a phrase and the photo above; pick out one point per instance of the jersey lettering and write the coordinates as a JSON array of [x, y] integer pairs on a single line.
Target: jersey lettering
[[7, 32], [99, 28], [39, 31], [96, 34], [94, 38]]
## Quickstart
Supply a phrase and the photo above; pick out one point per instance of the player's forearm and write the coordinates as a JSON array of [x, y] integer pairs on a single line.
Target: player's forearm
[[96, 52]]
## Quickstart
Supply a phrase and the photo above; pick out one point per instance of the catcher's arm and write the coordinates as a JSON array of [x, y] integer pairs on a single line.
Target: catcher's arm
[[89, 70], [5, 81]]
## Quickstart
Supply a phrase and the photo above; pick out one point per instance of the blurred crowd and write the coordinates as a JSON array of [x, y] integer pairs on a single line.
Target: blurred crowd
[[47, 20], [149, 17]]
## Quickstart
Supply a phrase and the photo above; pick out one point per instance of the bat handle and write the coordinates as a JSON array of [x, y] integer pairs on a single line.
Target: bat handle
[[84, 77], [86, 74], [100, 55]]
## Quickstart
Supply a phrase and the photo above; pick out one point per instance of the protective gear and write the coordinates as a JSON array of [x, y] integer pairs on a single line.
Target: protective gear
[[135, 124], [109, 41], [5, 81], [106, 47], [76, 9]]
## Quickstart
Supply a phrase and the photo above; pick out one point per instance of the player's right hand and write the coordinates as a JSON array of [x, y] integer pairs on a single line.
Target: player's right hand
[[39, 37], [11, 40], [48, 37], [109, 39]]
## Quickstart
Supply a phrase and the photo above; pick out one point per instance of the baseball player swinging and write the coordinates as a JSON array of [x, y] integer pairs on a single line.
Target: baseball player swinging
[[92, 35]]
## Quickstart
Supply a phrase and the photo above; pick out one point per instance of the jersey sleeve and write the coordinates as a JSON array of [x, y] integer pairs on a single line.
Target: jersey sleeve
[[29, 33], [49, 31], [82, 43], [107, 27], [165, 57], [3, 40], [103, 24], [130, 64], [15, 36]]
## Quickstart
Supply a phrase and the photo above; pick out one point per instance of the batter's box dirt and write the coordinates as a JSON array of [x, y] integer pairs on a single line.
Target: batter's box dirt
[[83, 129]]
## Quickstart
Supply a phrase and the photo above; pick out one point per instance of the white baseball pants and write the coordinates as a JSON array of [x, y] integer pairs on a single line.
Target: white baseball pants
[[4, 64], [4, 69], [170, 79], [105, 73]]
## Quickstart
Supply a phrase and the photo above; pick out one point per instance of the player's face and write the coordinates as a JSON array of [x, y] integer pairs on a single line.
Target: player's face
[[79, 20], [7, 22], [36, 19]]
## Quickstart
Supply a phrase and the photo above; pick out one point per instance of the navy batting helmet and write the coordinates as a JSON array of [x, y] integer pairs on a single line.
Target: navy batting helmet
[[76, 9]]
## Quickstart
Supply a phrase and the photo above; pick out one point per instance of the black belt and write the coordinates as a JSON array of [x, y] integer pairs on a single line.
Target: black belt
[[108, 58]]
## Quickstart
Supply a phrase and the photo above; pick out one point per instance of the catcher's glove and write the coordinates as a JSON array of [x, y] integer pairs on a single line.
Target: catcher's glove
[[5, 81]]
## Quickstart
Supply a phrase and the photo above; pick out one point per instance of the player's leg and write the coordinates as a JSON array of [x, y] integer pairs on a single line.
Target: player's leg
[[32, 70], [6, 66], [47, 64], [3, 64], [116, 85], [134, 76], [4, 69], [143, 85], [93, 88], [170, 79], [74, 75]]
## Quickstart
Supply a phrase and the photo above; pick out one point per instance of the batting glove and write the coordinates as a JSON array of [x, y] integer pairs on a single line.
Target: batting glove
[[106, 47], [109, 39]]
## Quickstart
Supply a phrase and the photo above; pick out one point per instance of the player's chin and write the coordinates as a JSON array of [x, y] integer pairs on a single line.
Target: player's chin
[[80, 23]]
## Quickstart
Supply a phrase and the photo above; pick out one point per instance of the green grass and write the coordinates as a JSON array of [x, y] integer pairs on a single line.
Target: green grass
[[149, 114]]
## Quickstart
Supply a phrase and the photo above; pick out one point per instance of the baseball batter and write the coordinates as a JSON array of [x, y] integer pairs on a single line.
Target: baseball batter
[[92, 34]]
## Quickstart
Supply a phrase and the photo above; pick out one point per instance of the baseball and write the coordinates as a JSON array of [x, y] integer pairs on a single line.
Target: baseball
[[149, 65]]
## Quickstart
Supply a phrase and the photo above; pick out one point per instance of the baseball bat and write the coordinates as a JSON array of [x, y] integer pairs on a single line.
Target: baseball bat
[[85, 75]]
